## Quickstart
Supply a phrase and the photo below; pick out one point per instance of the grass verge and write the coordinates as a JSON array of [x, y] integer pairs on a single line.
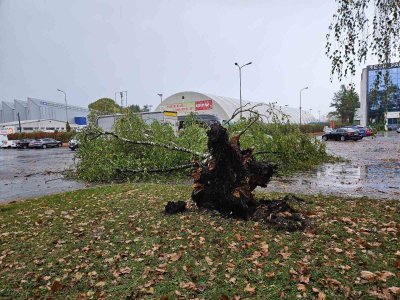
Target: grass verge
[[114, 242]]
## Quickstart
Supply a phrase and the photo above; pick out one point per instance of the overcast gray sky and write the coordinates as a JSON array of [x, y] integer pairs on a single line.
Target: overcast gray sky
[[92, 48]]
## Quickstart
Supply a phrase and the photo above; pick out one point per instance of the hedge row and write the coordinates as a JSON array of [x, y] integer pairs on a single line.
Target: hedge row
[[312, 128], [60, 136]]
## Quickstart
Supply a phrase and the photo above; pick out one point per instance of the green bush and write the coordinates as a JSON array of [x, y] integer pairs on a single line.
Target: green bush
[[60, 136]]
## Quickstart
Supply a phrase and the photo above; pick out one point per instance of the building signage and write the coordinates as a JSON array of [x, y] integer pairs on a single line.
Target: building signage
[[191, 106], [382, 66], [204, 105], [170, 113], [180, 107]]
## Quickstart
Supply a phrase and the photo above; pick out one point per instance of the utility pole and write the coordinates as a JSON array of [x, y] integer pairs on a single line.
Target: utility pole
[[121, 93], [19, 122], [66, 104], [240, 83], [160, 97], [300, 101]]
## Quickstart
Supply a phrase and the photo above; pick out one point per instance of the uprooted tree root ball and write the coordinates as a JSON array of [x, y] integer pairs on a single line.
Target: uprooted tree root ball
[[226, 179]]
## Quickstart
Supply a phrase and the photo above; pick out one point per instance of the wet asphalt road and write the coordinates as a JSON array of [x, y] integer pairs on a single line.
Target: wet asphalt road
[[372, 170], [22, 173]]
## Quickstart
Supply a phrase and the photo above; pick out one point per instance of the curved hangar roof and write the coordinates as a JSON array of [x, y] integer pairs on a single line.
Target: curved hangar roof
[[222, 107]]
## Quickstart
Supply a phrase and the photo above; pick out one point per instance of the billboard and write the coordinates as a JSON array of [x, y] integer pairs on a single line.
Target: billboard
[[190, 106]]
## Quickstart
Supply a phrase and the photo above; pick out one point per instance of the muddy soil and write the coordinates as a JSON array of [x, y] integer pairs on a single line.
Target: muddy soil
[[372, 170]]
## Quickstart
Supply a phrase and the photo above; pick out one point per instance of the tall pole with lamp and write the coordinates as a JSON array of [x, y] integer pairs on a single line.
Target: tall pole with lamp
[[160, 97], [306, 88], [240, 83], [66, 104]]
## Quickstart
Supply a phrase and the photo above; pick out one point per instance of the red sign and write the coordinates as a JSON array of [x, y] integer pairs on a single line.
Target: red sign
[[204, 105]]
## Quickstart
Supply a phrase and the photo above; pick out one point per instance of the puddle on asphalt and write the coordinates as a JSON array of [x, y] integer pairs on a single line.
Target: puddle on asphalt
[[375, 181]]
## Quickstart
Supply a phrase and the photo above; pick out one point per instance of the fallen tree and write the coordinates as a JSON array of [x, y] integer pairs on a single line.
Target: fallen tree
[[224, 176]]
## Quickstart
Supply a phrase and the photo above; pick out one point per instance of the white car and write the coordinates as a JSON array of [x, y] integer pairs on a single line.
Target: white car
[[9, 144], [327, 129], [398, 130]]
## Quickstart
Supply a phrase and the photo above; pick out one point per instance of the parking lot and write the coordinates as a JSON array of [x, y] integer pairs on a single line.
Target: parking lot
[[372, 169], [28, 173]]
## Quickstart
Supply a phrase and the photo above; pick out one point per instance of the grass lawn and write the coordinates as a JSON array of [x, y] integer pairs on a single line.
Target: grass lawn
[[114, 242]]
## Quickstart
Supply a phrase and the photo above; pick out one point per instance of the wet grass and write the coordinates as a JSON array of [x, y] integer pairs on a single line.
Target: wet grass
[[114, 242]]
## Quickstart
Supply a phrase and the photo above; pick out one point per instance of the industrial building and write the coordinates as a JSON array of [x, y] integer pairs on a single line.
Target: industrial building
[[36, 125], [38, 109], [223, 107], [377, 106]]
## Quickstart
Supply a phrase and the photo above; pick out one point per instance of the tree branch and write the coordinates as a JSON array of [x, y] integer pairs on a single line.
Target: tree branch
[[248, 126], [156, 144], [159, 170]]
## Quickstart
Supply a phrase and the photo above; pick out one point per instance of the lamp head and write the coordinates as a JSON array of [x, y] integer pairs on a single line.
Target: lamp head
[[236, 64]]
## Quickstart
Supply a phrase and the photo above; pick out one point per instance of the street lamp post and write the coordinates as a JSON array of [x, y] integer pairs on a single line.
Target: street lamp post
[[319, 116], [240, 83], [66, 105], [306, 88], [160, 97]]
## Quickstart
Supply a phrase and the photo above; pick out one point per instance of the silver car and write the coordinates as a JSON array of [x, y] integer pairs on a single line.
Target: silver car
[[45, 143]]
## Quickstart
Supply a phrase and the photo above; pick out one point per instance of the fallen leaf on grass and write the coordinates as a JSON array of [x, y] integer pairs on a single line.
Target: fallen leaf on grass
[[367, 275], [270, 274], [101, 284], [125, 270], [394, 290], [301, 287], [174, 256], [188, 285], [56, 286], [304, 279], [321, 296], [78, 276], [384, 275], [249, 289], [285, 255], [264, 248]]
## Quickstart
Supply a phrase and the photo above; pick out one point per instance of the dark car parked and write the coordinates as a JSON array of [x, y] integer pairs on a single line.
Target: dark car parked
[[24, 143], [45, 143], [343, 134], [362, 130]]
